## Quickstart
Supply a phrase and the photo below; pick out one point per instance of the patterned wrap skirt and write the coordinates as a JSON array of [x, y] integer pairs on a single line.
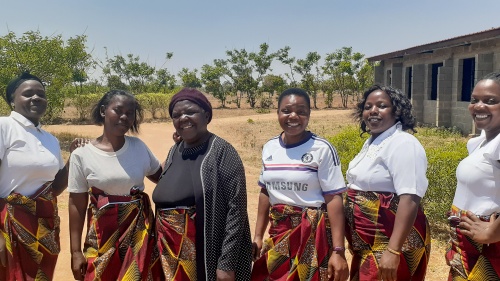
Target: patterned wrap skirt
[[299, 245], [118, 244], [468, 259], [174, 257], [30, 226], [370, 221]]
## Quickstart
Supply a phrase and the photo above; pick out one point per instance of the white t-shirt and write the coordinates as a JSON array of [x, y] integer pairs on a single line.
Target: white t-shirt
[[30, 156], [478, 177], [394, 162], [113, 172], [302, 173]]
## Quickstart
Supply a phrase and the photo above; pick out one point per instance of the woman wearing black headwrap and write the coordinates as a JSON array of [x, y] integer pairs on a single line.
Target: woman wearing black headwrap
[[202, 229], [32, 174]]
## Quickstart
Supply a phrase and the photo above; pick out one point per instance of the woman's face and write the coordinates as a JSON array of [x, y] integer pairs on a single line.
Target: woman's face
[[484, 107], [119, 115], [377, 113], [190, 121], [30, 100], [293, 116]]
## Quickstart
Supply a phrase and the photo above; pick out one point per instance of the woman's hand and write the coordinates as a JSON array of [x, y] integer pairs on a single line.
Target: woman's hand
[[256, 248], [480, 231], [77, 142], [388, 267], [3, 250], [78, 265], [225, 275], [337, 267]]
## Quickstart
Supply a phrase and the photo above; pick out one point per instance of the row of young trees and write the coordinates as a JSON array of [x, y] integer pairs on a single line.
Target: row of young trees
[[241, 75]]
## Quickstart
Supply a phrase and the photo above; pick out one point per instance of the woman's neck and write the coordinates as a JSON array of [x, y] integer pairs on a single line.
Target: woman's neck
[[204, 137], [289, 140], [109, 143], [491, 134]]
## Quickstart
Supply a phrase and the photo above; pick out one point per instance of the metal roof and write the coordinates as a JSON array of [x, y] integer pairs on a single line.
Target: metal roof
[[447, 43]]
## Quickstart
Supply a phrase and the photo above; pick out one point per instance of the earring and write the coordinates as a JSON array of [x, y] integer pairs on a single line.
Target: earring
[[12, 105]]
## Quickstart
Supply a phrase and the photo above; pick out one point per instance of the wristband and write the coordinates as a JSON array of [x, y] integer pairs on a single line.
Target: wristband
[[339, 249], [393, 251]]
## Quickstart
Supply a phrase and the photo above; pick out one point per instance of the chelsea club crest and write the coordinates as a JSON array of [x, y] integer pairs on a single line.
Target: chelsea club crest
[[307, 157]]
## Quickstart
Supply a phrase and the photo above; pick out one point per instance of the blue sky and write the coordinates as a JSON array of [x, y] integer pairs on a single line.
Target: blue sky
[[199, 31]]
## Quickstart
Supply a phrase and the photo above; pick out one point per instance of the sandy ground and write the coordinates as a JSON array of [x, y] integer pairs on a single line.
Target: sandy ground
[[247, 132]]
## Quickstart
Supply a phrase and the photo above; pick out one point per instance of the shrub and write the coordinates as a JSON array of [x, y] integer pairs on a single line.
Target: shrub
[[441, 173], [348, 143], [83, 104], [55, 107], [445, 148], [4, 108], [154, 103]]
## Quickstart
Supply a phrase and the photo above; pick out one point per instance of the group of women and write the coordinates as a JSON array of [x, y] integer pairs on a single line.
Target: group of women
[[199, 228]]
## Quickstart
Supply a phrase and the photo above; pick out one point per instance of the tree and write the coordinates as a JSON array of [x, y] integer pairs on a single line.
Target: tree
[[46, 57], [262, 64], [164, 81], [309, 81], [132, 70], [189, 78], [212, 77], [365, 77], [240, 73], [79, 61], [343, 66], [283, 56], [273, 83]]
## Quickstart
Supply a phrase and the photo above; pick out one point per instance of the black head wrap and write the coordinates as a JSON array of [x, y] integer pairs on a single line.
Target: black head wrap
[[16, 82]]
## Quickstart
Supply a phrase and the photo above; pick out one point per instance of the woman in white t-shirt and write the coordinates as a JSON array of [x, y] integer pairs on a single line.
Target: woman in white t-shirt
[[387, 230], [476, 205], [301, 195], [110, 170], [32, 175]]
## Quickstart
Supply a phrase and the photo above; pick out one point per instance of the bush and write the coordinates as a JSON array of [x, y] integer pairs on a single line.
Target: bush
[[348, 143], [4, 108], [84, 103], [55, 107], [155, 102], [441, 173], [445, 148]]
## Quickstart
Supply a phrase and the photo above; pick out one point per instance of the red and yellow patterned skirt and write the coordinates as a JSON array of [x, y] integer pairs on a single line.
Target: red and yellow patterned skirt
[[175, 252], [299, 245], [370, 220], [118, 243], [30, 226], [468, 259]]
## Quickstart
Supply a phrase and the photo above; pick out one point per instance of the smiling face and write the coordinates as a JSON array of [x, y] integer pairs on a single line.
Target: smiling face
[[293, 116], [119, 115], [484, 107], [190, 122], [377, 113], [30, 100]]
